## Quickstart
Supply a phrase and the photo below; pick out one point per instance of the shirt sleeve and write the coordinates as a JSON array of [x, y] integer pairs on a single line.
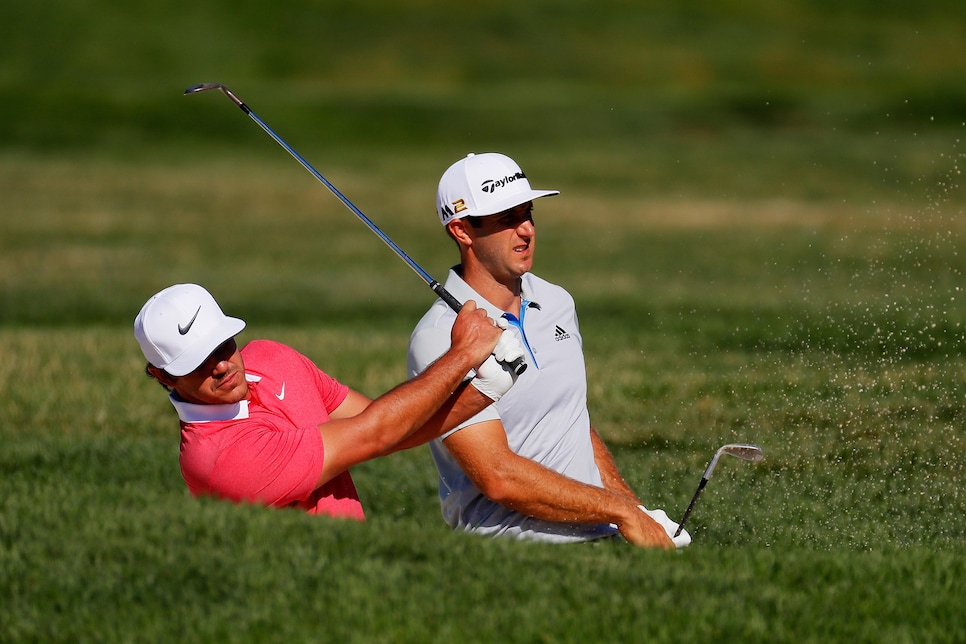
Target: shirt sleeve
[[331, 391], [425, 347]]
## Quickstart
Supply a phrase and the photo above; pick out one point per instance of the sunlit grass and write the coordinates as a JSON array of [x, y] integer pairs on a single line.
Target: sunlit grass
[[761, 221]]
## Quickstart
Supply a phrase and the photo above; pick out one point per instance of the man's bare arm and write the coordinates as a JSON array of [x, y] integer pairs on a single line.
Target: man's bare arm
[[609, 474], [534, 490], [395, 416], [461, 406]]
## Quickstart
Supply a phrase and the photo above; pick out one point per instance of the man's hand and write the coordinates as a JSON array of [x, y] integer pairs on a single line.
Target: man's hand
[[662, 519], [643, 531], [494, 378], [474, 334]]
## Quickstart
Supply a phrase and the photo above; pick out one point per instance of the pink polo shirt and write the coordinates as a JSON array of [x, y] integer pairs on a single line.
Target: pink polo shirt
[[268, 449]]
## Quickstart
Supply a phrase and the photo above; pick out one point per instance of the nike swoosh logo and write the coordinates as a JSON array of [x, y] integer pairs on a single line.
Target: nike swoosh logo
[[184, 329], [281, 396]]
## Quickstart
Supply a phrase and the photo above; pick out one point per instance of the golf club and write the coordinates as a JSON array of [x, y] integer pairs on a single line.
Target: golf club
[[518, 366], [742, 451]]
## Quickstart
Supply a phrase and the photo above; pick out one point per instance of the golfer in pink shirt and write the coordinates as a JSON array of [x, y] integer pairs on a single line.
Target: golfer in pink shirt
[[265, 425]]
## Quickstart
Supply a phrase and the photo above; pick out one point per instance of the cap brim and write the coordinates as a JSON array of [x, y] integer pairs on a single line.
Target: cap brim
[[197, 354], [513, 201]]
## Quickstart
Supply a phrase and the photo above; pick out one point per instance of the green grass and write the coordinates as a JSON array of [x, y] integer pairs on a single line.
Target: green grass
[[837, 345], [761, 220]]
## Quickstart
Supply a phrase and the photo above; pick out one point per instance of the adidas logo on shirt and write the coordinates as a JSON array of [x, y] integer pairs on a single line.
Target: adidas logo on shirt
[[560, 334]]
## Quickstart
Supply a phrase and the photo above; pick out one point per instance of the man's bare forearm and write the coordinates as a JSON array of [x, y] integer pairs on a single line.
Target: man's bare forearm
[[609, 474], [537, 491], [460, 407]]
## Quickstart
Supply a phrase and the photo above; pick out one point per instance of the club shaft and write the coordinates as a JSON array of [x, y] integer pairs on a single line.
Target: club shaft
[[687, 513], [345, 200], [438, 288], [519, 365]]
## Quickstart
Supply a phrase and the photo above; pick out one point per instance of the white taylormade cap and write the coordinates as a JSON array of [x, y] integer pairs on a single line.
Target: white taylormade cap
[[483, 184], [179, 327]]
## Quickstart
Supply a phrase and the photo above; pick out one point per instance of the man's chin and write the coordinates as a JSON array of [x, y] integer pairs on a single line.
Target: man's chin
[[239, 393], [231, 395]]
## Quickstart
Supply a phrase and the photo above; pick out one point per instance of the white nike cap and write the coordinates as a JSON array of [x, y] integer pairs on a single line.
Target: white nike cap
[[485, 184], [179, 327]]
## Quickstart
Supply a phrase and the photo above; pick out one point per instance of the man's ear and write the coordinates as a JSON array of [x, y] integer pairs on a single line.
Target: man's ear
[[162, 376], [458, 231]]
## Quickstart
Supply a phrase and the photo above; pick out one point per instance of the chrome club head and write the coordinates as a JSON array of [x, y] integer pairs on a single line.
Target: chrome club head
[[738, 450], [204, 87]]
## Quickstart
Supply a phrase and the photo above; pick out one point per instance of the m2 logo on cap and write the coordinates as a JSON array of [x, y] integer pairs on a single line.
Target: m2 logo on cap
[[491, 185], [459, 206]]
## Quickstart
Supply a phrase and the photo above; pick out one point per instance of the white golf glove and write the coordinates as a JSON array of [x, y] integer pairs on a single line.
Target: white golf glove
[[493, 379], [680, 541]]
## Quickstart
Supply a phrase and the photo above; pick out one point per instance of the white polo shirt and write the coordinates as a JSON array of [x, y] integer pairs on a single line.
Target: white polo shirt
[[544, 414]]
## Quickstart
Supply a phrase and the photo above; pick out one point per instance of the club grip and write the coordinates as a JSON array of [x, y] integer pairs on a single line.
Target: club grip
[[518, 366]]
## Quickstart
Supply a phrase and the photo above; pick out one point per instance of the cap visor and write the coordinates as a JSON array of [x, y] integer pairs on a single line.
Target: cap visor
[[192, 358], [513, 201]]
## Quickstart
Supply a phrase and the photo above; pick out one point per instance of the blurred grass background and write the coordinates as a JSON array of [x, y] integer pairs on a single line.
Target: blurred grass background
[[851, 106], [760, 219]]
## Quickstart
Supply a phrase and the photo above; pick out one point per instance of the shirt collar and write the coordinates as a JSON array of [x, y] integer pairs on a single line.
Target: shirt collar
[[198, 413], [462, 291]]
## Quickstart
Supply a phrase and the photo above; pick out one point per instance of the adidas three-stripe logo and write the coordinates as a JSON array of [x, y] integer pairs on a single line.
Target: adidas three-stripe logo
[[560, 334]]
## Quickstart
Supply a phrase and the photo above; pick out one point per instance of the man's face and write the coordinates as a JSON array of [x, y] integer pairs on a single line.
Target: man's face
[[504, 243], [220, 379]]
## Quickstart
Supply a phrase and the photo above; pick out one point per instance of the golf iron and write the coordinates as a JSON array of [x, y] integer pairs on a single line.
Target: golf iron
[[742, 451], [518, 366]]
